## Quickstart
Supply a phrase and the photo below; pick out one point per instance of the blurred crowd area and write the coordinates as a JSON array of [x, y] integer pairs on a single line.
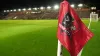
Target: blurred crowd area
[[33, 15]]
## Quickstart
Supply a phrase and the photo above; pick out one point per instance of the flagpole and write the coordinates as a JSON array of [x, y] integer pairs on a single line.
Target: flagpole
[[82, 48], [89, 23], [59, 50]]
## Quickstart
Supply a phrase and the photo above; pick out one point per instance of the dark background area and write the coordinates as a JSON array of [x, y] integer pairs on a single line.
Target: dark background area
[[11, 4]]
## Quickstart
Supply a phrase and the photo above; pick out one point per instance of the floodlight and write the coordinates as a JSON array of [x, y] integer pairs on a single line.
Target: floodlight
[[48, 7], [14, 9], [93, 8], [19, 9], [35, 8], [24, 9], [11, 10], [29, 8], [72, 5], [41, 8], [56, 7], [80, 5], [5, 11]]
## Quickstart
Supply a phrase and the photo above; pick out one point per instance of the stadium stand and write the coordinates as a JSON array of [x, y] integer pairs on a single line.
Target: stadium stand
[[42, 14]]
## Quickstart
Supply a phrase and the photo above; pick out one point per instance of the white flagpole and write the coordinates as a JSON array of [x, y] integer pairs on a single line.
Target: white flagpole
[[89, 23], [88, 28], [59, 50], [80, 52]]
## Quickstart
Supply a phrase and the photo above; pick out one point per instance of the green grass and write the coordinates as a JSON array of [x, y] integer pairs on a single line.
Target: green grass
[[38, 38]]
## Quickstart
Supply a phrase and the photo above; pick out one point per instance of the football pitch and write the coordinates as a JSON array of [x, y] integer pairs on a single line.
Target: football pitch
[[38, 38]]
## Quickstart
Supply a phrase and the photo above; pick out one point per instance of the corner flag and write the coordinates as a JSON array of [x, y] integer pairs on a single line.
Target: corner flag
[[72, 32]]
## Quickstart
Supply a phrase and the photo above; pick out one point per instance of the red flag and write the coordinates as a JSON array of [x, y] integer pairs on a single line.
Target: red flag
[[72, 32]]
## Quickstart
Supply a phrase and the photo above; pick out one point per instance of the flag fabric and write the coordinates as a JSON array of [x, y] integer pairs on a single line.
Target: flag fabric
[[72, 32]]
